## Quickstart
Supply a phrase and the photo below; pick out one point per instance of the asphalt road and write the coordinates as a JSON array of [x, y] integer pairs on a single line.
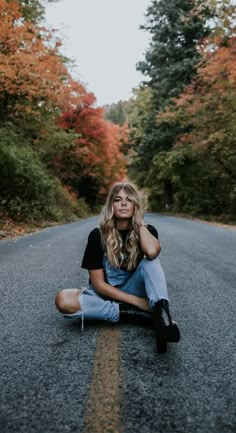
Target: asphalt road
[[54, 378]]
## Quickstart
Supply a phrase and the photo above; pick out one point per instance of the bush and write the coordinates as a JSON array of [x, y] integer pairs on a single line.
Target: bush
[[26, 190], [67, 205]]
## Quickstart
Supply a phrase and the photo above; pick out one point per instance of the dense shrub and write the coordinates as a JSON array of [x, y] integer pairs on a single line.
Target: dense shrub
[[26, 190]]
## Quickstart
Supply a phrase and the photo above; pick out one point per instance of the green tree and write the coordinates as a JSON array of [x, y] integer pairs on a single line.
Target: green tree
[[177, 27], [33, 10], [116, 112]]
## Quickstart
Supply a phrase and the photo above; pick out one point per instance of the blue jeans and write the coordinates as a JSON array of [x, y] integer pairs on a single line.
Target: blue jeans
[[147, 281]]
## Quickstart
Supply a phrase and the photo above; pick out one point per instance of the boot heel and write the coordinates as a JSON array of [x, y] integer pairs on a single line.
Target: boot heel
[[161, 342], [161, 346], [164, 332]]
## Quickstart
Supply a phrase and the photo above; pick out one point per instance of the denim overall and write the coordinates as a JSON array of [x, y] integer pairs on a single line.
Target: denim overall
[[147, 281]]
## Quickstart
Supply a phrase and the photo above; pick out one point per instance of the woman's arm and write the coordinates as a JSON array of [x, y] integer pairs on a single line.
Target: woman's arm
[[101, 287], [149, 244]]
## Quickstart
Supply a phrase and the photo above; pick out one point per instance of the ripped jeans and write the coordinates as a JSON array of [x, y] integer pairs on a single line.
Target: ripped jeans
[[147, 281]]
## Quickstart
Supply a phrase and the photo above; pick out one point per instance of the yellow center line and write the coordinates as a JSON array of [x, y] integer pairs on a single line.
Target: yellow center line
[[103, 407]]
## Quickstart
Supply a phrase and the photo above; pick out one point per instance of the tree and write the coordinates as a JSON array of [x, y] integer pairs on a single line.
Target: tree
[[206, 110], [116, 112], [33, 10], [93, 160], [33, 78], [170, 62], [35, 88], [176, 28], [222, 22]]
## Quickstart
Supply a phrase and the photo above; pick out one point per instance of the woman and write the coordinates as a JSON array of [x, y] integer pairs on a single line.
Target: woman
[[121, 257]]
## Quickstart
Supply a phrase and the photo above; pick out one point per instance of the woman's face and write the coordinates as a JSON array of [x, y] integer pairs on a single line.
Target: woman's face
[[122, 205]]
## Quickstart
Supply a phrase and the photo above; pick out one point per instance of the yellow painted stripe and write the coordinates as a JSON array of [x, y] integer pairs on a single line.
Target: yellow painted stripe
[[103, 408]]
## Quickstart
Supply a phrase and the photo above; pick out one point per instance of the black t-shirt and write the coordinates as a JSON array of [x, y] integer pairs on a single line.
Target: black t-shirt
[[94, 252]]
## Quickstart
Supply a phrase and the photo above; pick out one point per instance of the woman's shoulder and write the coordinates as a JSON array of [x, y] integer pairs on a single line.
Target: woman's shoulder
[[152, 230], [95, 233], [95, 236], [150, 226]]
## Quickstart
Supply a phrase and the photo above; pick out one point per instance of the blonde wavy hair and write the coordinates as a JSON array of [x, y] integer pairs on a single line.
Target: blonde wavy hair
[[111, 237]]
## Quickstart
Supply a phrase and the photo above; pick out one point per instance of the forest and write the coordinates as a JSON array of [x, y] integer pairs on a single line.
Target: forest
[[182, 118], [175, 138], [58, 155]]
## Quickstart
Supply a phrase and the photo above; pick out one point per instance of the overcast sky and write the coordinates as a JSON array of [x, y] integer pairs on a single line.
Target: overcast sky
[[104, 39]]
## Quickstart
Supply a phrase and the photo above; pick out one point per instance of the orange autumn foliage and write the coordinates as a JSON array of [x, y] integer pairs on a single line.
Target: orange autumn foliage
[[208, 103], [32, 74], [206, 112], [96, 153]]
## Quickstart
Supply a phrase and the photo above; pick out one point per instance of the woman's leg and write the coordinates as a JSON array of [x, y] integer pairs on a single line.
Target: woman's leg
[[87, 304], [67, 301], [148, 281]]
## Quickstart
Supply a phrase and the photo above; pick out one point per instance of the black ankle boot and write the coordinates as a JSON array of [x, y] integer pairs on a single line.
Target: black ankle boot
[[165, 329], [129, 312]]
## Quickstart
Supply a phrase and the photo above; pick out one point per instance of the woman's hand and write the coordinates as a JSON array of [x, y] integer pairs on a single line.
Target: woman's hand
[[142, 303]]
